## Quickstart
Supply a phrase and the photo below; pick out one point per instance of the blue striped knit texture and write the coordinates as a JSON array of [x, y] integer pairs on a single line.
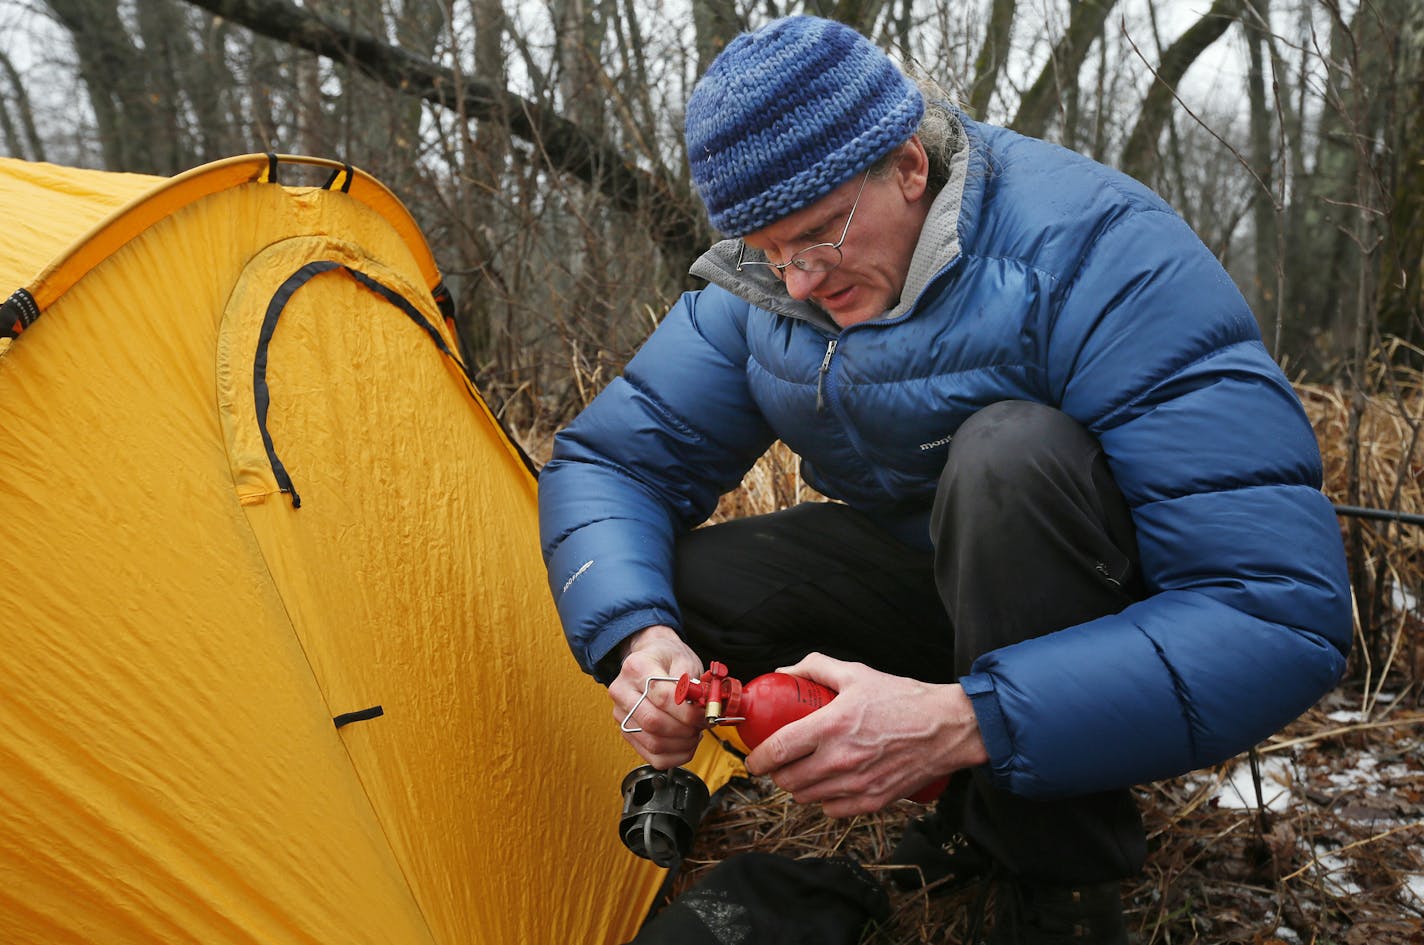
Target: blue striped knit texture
[[789, 112]]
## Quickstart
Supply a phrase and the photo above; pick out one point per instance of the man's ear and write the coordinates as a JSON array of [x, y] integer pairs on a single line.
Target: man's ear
[[912, 169]]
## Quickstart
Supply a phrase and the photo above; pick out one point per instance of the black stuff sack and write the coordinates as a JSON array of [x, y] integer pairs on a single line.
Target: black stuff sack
[[756, 898]]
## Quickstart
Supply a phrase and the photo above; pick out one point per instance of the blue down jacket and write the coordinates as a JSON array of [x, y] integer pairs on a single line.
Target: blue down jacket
[[1039, 276]]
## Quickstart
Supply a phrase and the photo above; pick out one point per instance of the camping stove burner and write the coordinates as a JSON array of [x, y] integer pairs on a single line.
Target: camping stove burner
[[661, 810]]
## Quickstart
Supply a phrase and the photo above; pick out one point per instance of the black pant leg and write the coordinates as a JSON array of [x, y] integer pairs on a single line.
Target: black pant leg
[[1032, 535], [761, 592]]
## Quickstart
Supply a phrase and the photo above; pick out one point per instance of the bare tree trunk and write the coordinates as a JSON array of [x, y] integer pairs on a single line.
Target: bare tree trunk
[[1173, 166], [1266, 219], [993, 53], [23, 140], [1046, 98], [860, 14], [1301, 312], [716, 23], [1354, 105], [1139, 155], [164, 34], [578, 28], [903, 18], [634, 104], [205, 75], [485, 157], [1330, 255], [1401, 308], [264, 61], [131, 127], [13, 147], [418, 26], [1096, 143]]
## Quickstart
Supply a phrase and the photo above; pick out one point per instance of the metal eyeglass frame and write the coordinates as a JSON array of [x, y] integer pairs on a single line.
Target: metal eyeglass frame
[[799, 260]]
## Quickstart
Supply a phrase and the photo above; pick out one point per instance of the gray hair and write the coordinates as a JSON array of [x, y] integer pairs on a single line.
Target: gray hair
[[939, 131]]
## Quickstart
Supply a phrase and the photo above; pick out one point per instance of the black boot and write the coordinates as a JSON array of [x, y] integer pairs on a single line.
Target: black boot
[[1027, 913], [937, 855]]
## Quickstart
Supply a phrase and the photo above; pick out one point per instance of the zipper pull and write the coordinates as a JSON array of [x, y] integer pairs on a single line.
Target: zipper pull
[[821, 375]]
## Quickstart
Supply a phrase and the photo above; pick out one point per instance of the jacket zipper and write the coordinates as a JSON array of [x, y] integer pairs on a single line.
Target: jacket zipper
[[821, 376]]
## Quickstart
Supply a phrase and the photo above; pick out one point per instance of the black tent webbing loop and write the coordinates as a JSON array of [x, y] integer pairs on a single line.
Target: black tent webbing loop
[[360, 715], [337, 173], [271, 167], [404, 304], [401, 302], [261, 395], [17, 313]]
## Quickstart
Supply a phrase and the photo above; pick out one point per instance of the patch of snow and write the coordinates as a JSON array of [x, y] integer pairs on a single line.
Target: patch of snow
[[1239, 791], [1287, 934], [1412, 892], [1334, 874], [1403, 601], [1363, 772], [1366, 773]]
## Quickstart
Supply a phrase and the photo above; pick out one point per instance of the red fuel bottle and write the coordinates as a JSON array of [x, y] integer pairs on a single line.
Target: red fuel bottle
[[764, 705]]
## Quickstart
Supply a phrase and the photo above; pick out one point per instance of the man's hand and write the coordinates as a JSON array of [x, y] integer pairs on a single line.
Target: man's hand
[[883, 737], [670, 732]]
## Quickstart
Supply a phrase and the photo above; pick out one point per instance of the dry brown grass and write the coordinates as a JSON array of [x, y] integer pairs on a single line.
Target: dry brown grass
[[1373, 449], [774, 483]]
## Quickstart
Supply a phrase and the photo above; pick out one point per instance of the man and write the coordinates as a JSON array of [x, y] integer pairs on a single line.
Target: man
[[1079, 542]]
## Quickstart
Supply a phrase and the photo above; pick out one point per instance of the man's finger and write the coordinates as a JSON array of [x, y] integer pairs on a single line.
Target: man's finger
[[818, 667], [664, 751], [786, 745]]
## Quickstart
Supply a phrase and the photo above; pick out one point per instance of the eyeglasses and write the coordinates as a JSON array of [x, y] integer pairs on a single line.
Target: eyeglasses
[[821, 257]]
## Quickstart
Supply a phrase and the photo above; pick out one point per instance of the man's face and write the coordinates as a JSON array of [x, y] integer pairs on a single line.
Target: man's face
[[875, 256]]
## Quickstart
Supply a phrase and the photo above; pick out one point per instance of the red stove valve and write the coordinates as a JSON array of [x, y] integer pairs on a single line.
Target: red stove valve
[[757, 709]]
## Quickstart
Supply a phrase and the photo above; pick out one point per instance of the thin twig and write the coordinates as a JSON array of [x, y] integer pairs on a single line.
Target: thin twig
[[1315, 860], [1343, 730]]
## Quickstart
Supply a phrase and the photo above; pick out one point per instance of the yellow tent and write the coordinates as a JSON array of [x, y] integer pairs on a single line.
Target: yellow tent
[[277, 658]]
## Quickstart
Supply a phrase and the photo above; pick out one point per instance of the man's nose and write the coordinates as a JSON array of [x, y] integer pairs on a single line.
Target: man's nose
[[800, 284]]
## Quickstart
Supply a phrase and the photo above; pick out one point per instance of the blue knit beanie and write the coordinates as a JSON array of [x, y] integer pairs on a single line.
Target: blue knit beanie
[[789, 112]]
